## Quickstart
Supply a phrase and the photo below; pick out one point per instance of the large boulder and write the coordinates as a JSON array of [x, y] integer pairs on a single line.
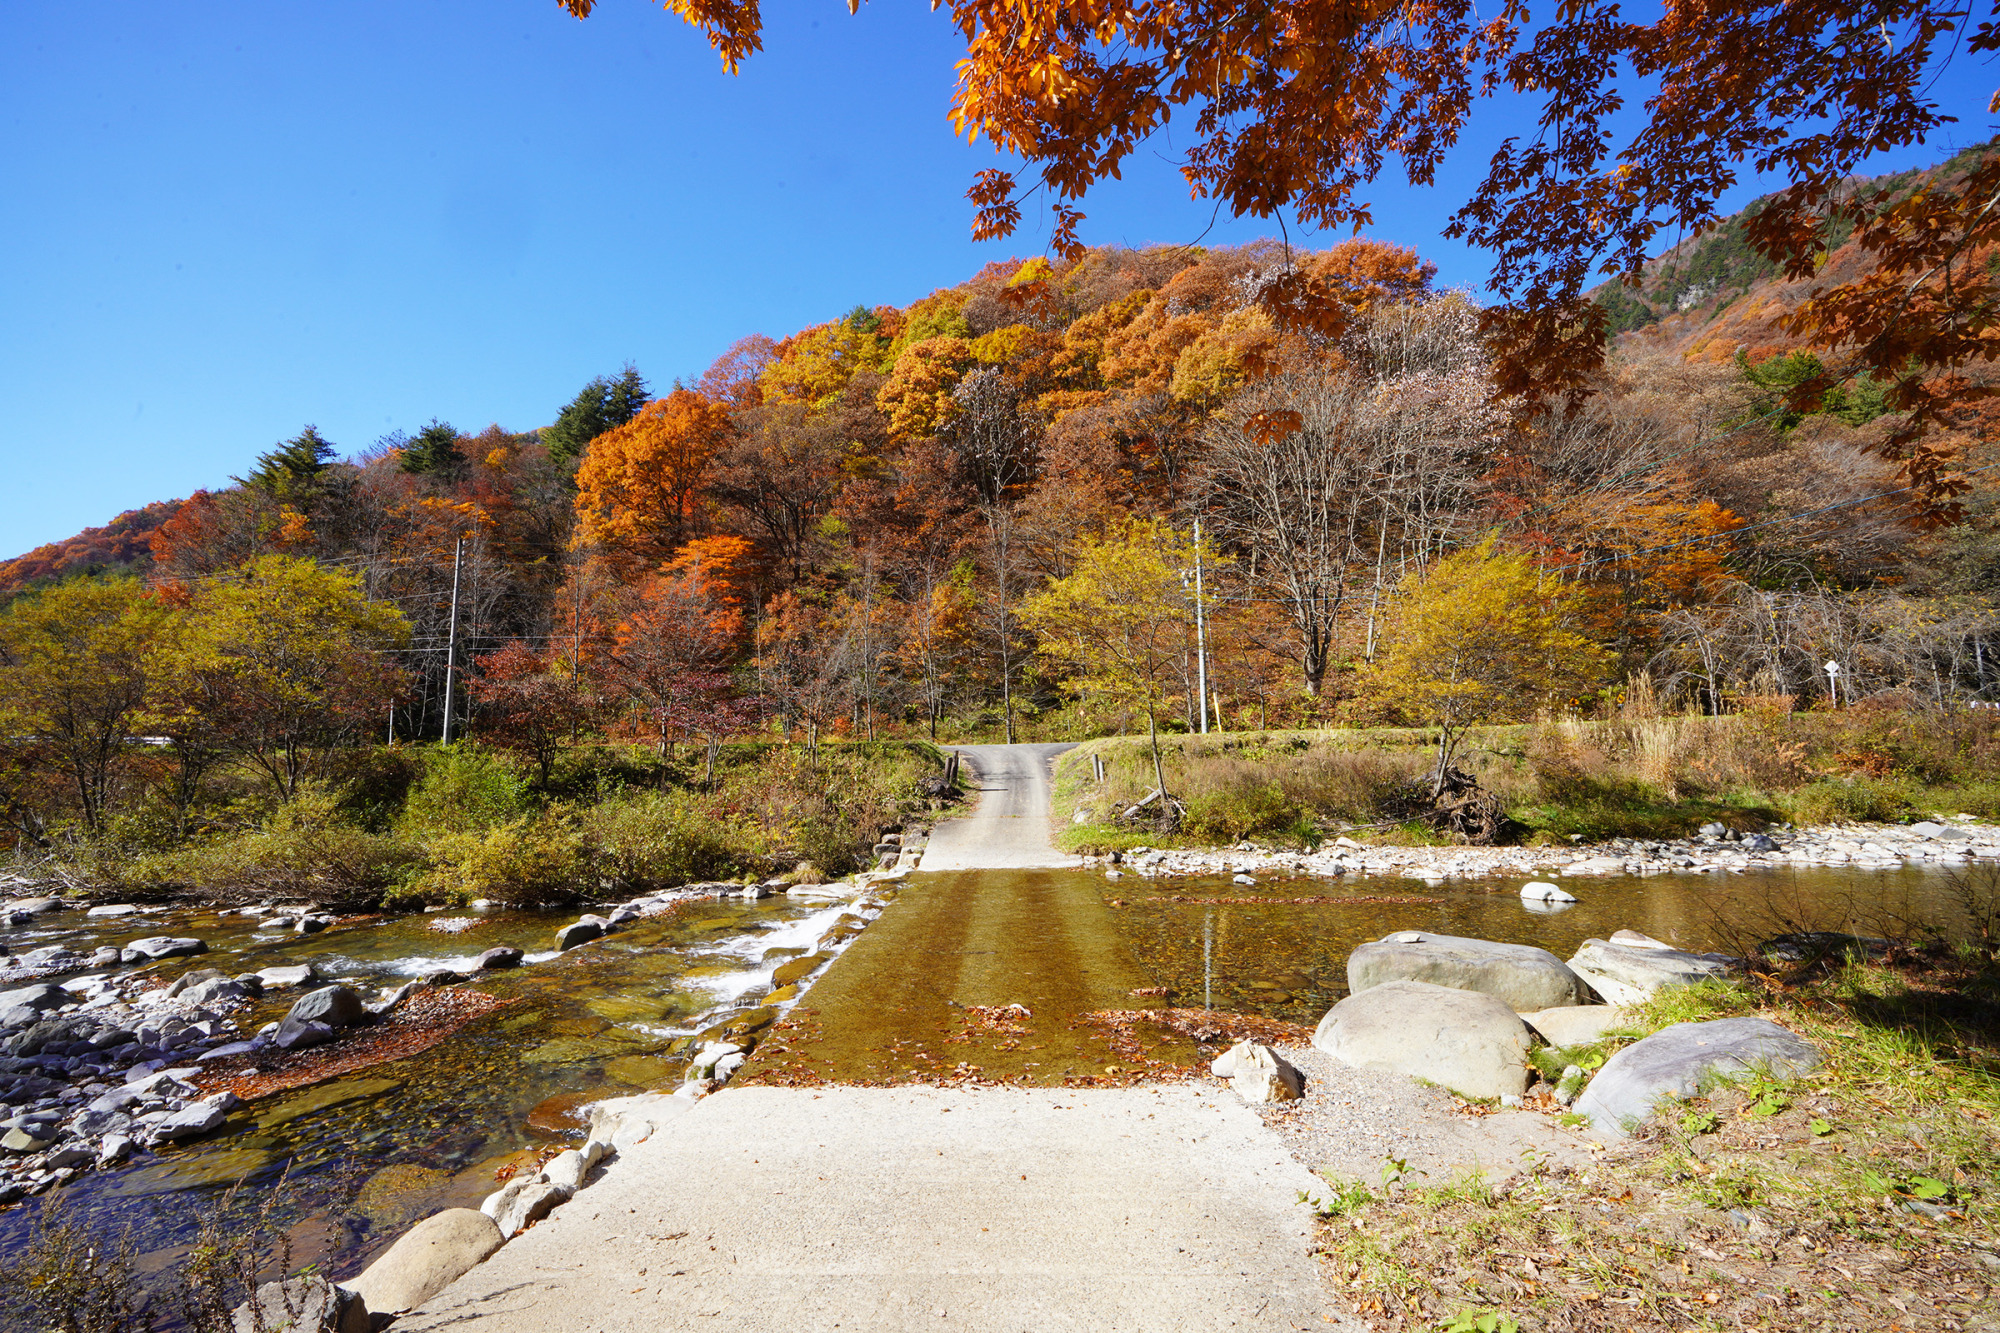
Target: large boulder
[[578, 932], [302, 1305], [1465, 1040], [1631, 973], [426, 1259], [318, 1015], [1575, 1024], [500, 956], [1526, 978], [41, 999], [1686, 1059], [155, 947]]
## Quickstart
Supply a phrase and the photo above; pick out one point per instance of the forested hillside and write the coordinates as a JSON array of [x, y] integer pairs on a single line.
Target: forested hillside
[[915, 522]]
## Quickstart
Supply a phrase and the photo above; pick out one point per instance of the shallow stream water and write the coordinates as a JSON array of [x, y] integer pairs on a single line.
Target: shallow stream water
[[370, 1152], [367, 1153]]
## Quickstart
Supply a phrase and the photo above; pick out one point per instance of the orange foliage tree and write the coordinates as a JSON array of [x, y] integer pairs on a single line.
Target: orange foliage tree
[[639, 486]]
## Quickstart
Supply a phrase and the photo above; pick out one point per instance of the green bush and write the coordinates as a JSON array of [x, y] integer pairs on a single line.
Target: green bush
[[463, 789], [1227, 816], [1848, 801], [659, 840], [306, 848], [533, 861]]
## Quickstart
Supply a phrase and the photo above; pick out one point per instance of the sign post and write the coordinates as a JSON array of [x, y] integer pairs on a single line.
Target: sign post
[[1832, 669]]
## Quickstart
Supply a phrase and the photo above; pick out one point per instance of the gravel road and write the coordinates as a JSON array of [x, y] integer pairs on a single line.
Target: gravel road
[[1009, 829]]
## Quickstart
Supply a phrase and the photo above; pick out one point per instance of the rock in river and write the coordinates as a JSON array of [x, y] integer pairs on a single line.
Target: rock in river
[[155, 947], [578, 932], [318, 1014], [1683, 1060], [302, 1305], [426, 1259], [502, 956], [1465, 1040], [1525, 978]]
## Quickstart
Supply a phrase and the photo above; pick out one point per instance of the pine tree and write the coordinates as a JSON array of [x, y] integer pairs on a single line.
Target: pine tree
[[601, 405], [434, 451], [291, 468]]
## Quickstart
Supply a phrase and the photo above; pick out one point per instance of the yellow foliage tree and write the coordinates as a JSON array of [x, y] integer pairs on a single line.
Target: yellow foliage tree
[[1482, 636], [1124, 620], [918, 396]]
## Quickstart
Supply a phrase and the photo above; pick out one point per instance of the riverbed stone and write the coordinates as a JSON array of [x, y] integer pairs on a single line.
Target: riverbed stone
[[1468, 1041], [501, 956], [1524, 977], [303, 1036], [799, 968], [1259, 1074], [578, 932], [302, 1305], [1575, 1024], [1541, 891], [155, 947], [523, 1203], [335, 1006], [622, 1122], [19, 1141], [215, 990], [279, 978], [1630, 974], [1684, 1060], [39, 999], [426, 1259], [191, 1122]]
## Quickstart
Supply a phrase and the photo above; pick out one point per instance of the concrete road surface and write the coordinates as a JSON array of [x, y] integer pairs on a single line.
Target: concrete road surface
[[1146, 1209], [1009, 829]]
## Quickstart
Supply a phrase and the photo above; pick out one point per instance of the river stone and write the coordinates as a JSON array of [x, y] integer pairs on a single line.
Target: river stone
[[20, 1141], [624, 1121], [426, 1259], [303, 1036], [1575, 1024], [335, 1006], [1625, 974], [191, 978], [1541, 891], [35, 906], [155, 947], [1683, 1060], [1258, 1073], [302, 1305], [523, 1203], [569, 1167], [214, 989], [278, 978], [191, 1122], [1467, 1041], [40, 999], [500, 957], [799, 968], [1524, 977], [113, 909], [578, 932]]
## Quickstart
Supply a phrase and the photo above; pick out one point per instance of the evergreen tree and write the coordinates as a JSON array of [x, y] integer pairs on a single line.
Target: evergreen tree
[[291, 468], [434, 451], [602, 405]]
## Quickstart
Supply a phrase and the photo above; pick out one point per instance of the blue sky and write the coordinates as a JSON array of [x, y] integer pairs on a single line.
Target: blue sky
[[222, 221]]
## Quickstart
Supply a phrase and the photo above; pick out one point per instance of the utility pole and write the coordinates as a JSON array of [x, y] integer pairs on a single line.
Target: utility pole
[[451, 638], [1200, 633]]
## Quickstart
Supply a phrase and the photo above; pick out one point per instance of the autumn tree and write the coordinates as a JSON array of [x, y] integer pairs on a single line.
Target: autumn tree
[[673, 647], [529, 702], [1124, 620], [291, 658], [1299, 107], [639, 487], [1481, 636], [802, 665], [75, 660]]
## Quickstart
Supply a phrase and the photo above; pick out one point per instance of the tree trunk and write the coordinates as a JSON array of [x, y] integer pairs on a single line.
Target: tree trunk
[[1159, 770]]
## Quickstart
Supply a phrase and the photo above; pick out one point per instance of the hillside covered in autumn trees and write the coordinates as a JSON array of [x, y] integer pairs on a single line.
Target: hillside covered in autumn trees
[[837, 533]]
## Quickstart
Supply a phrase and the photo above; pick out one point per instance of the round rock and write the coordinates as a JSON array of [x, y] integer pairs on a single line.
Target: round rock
[[1524, 977], [1467, 1041]]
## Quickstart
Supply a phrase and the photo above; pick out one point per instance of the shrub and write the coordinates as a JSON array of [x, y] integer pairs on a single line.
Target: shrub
[[658, 840], [533, 861], [463, 789], [306, 848], [1848, 801], [1226, 816]]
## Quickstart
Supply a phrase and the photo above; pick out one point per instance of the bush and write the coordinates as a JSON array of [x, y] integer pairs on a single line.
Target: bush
[[533, 861], [306, 848], [1849, 801], [659, 840], [463, 789], [1227, 816]]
